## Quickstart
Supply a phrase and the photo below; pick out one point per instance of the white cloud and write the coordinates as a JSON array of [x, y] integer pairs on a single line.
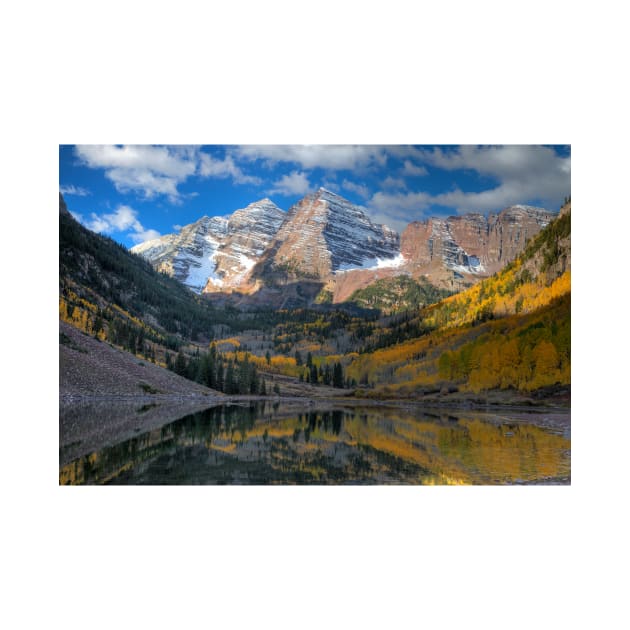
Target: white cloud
[[398, 209], [522, 172], [177, 227], [295, 183], [146, 182], [331, 185], [71, 189], [359, 189], [413, 170], [144, 235], [124, 219], [98, 224], [158, 170], [332, 157], [400, 201], [175, 162], [148, 170], [394, 183], [213, 167]]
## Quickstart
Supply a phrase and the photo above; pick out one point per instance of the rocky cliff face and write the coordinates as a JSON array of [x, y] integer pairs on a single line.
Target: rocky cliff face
[[322, 234], [326, 239], [509, 231], [189, 255], [216, 253], [471, 246], [249, 233]]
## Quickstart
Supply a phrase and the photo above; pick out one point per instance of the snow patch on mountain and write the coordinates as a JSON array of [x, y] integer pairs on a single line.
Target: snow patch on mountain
[[351, 237], [372, 264], [218, 251], [202, 271]]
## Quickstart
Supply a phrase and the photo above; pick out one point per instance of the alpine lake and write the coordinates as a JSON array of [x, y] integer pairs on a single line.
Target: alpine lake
[[276, 442]]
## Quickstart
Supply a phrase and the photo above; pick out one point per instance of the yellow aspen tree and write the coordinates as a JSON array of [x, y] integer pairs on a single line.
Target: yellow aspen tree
[[63, 310], [546, 363], [510, 359]]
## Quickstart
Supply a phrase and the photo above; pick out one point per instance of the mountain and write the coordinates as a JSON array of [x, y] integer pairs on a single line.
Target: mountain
[[449, 253], [112, 294], [215, 253], [322, 234], [325, 249], [470, 246], [511, 331]]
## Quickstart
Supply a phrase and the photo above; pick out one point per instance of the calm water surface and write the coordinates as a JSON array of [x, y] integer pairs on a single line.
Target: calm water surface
[[265, 443]]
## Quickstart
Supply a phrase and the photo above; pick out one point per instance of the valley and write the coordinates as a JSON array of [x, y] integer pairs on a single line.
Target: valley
[[318, 308], [398, 336]]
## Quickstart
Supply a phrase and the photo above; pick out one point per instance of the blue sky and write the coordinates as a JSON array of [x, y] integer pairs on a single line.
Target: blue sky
[[137, 192]]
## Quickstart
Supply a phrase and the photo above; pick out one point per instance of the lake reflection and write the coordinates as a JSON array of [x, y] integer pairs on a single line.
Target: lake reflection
[[265, 443]]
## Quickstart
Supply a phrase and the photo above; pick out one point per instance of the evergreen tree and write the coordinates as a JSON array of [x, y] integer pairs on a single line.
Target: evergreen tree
[[328, 375], [309, 360], [242, 376], [220, 377], [98, 326], [254, 384], [268, 357], [131, 342], [180, 364], [314, 379], [192, 370], [298, 358], [337, 376], [211, 369], [199, 374], [230, 383]]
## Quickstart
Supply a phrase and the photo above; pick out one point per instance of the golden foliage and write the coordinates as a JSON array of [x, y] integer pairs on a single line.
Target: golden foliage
[[523, 352]]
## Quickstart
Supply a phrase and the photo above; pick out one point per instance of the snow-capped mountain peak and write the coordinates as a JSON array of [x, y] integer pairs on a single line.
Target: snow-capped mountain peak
[[216, 252]]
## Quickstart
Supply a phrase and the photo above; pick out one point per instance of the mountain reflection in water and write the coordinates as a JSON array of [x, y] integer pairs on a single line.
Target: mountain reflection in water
[[261, 443]]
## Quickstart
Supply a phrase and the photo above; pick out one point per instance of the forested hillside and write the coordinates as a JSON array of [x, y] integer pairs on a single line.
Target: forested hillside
[[115, 296], [400, 293], [102, 282], [511, 331]]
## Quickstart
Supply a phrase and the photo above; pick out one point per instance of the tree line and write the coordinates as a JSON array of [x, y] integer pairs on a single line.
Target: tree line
[[326, 375], [216, 371]]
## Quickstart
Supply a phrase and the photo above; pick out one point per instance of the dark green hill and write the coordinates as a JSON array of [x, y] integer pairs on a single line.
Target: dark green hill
[[98, 270], [401, 293]]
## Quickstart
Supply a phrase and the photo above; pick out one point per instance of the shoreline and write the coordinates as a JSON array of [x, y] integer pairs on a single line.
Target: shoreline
[[87, 424]]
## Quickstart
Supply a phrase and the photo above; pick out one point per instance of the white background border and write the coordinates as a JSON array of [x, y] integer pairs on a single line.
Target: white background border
[[331, 72]]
